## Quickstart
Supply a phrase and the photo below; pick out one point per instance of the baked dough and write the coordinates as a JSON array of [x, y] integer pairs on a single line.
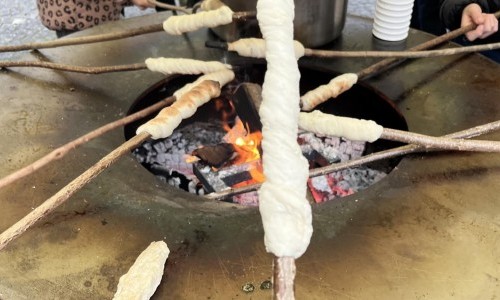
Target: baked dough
[[349, 128], [177, 25], [170, 117], [211, 4], [169, 66], [142, 279], [286, 214], [222, 76], [335, 87], [253, 47]]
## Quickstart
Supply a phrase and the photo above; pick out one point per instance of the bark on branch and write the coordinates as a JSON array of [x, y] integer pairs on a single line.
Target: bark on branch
[[71, 68], [66, 148]]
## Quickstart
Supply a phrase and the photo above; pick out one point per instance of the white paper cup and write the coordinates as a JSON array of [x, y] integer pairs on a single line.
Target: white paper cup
[[392, 19]]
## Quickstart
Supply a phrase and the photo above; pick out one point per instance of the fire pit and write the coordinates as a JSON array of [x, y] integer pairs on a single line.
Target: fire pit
[[176, 159], [427, 230]]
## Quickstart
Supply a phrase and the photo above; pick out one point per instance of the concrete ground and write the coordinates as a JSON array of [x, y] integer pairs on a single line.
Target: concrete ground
[[19, 22]]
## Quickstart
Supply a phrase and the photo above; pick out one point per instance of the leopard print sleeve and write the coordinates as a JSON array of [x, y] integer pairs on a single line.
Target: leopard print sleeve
[[78, 14]]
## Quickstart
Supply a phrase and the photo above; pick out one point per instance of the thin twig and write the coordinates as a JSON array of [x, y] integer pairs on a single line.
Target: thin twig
[[441, 143], [403, 150], [72, 68], [377, 67], [84, 39], [212, 89], [284, 276], [60, 197], [64, 149], [401, 54], [171, 7]]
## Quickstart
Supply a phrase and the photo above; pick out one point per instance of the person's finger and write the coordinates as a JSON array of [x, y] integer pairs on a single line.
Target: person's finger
[[474, 34]]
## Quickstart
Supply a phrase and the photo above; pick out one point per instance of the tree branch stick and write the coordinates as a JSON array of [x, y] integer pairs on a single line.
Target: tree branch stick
[[377, 67], [60, 197], [403, 150], [402, 54], [85, 39], [171, 7], [66, 148], [284, 276], [71, 68], [442, 143]]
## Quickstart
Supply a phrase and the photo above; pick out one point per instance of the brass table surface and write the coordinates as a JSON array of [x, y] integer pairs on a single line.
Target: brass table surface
[[429, 230]]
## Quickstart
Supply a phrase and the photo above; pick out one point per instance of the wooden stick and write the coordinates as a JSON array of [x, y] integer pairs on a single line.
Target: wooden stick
[[205, 89], [377, 67], [309, 52], [442, 143], [401, 54], [403, 150], [283, 279], [60, 197], [71, 68], [85, 39], [171, 7], [66, 148]]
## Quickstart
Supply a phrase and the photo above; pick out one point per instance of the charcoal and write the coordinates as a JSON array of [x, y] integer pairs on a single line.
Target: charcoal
[[215, 155]]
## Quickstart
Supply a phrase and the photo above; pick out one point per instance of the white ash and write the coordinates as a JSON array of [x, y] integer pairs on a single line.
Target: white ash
[[334, 149], [167, 157]]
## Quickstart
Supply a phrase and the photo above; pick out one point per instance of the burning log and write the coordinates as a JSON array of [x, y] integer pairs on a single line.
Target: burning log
[[215, 156]]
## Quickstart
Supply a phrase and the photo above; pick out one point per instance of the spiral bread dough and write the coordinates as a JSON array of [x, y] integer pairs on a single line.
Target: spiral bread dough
[[170, 117], [142, 279], [286, 214], [169, 66], [177, 25], [335, 87], [253, 47], [221, 76], [349, 128]]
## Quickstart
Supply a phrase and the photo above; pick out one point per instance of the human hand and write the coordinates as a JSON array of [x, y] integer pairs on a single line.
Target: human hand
[[143, 4], [487, 24]]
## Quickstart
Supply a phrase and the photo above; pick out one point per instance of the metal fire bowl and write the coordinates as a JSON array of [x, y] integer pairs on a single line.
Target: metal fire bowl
[[428, 230]]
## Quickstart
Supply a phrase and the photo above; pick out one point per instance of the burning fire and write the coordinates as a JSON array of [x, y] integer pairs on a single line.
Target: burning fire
[[246, 144]]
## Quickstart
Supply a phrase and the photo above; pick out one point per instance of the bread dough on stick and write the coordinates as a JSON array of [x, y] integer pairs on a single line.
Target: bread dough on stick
[[335, 87], [223, 77], [349, 128], [144, 276], [177, 25], [253, 47], [170, 117], [286, 214], [169, 66]]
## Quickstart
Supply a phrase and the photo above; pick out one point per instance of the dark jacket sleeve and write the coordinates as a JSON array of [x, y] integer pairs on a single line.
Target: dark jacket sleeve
[[451, 10]]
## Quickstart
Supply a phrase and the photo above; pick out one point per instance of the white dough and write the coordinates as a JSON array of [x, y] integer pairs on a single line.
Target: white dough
[[253, 47], [211, 4], [349, 128], [335, 87], [142, 279], [177, 25], [170, 117], [286, 214], [169, 66], [221, 76]]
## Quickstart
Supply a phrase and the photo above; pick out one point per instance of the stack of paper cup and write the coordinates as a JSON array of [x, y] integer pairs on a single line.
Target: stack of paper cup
[[392, 19]]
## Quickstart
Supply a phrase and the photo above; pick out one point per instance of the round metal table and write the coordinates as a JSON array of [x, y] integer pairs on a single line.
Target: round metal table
[[429, 230]]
